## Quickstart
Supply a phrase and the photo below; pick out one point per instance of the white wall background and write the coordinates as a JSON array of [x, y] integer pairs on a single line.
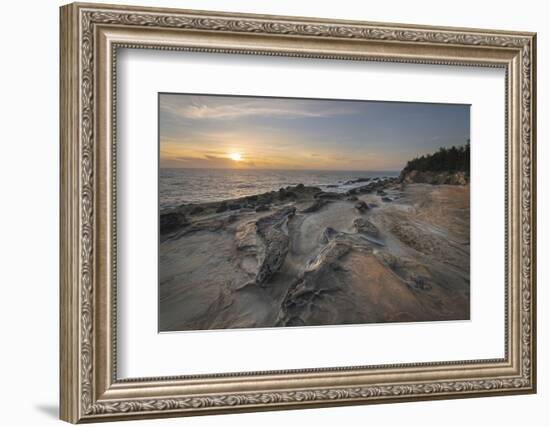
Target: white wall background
[[29, 170]]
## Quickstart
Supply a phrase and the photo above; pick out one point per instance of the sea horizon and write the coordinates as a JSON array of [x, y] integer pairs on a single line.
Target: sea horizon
[[286, 169], [201, 185]]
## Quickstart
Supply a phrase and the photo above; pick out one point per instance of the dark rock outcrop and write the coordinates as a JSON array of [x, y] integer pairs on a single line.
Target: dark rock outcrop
[[172, 221], [316, 205], [196, 210], [287, 193], [356, 181], [364, 226], [222, 207], [328, 195], [361, 206], [274, 233], [320, 277]]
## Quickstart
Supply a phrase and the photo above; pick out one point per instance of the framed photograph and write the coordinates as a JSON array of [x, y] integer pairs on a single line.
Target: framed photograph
[[265, 212]]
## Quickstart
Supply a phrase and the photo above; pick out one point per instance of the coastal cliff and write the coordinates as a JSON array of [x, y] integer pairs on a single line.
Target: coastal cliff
[[446, 166], [434, 178]]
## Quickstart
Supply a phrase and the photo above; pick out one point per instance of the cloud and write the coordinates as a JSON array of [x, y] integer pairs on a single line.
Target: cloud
[[211, 157], [231, 108], [185, 158], [205, 161]]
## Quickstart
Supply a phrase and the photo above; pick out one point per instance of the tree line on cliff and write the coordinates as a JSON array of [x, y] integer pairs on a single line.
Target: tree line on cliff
[[453, 159]]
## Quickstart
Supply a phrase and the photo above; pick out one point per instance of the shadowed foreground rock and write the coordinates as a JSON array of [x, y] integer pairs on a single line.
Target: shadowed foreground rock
[[300, 256], [274, 233]]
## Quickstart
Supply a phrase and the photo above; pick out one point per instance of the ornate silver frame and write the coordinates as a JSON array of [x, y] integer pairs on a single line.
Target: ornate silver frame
[[90, 36]]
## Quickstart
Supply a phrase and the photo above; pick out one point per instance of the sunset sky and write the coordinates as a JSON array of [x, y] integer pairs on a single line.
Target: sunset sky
[[208, 131]]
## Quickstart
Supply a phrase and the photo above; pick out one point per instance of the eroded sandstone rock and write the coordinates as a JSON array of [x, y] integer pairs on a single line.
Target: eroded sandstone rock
[[274, 232]]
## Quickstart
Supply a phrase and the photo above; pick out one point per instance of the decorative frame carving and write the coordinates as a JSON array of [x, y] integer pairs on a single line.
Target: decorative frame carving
[[90, 36]]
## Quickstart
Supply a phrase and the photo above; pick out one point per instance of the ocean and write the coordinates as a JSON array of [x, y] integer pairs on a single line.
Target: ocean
[[178, 186]]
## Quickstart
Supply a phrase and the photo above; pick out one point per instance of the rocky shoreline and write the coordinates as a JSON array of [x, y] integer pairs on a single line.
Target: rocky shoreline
[[434, 178], [387, 250]]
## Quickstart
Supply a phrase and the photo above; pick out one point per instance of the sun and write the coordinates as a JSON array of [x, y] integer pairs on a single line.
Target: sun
[[235, 156]]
